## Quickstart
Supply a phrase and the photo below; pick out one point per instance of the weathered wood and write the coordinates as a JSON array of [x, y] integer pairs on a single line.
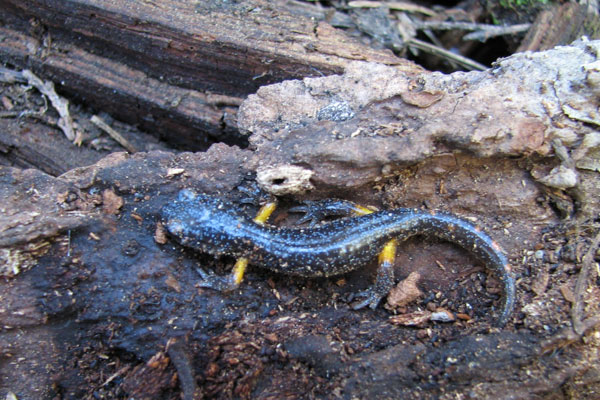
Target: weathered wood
[[184, 117], [174, 68], [219, 47], [561, 24], [31, 145]]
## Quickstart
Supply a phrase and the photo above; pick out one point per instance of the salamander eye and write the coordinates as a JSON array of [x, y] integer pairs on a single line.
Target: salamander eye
[[175, 227], [187, 194], [198, 215]]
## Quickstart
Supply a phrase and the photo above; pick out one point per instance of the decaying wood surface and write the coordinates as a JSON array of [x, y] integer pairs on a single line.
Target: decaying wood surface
[[176, 68], [219, 48], [96, 301], [561, 24]]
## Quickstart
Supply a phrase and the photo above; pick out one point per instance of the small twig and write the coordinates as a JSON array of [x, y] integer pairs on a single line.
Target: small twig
[[393, 5], [485, 34], [39, 114], [116, 375], [69, 243], [65, 122], [430, 48], [11, 76], [431, 36], [96, 120], [568, 335], [481, 32], [579, 324], [180, 357], [16, 113]]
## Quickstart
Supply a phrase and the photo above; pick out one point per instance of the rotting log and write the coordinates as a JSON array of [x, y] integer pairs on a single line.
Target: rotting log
[[183, 117], [560, 24], [499, 146], [377, 120], [177, 69], [218, 47]]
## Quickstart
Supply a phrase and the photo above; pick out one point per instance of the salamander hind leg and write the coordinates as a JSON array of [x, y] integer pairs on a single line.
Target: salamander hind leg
[[224, 283], [385, 278]]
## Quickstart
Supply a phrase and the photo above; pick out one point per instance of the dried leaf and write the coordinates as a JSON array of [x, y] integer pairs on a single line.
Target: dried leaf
[[405, 292]]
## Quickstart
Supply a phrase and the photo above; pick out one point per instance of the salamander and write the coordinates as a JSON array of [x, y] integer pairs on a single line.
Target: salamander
[[212, 225]]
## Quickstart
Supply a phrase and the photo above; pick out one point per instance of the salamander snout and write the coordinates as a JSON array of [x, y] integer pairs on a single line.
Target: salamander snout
[[186, 195]]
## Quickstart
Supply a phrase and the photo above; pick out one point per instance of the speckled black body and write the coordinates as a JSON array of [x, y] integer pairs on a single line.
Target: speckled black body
[[213, 226]]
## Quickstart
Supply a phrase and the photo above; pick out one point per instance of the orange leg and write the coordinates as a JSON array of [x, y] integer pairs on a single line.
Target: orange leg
[[239, 269], [385, 277]]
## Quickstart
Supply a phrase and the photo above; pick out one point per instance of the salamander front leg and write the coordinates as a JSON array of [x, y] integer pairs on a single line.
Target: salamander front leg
[[317, 211], [231, 282], [385, 277]]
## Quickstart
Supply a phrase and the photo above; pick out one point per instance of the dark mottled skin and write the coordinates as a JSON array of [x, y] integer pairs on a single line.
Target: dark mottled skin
[[213, 226]]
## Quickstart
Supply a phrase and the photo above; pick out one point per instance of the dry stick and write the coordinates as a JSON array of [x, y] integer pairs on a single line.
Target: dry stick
[[96, 120], [481, 31], [579, 325], [11, 76], [464, 61], [393, 5], [487, 33], [439, 44], [65, 122], [17, 113], [116, 375], [180, 357], [419, 44]]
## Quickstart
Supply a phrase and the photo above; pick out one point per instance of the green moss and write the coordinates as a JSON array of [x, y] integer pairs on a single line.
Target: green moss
[[521, 4], [591, 27]]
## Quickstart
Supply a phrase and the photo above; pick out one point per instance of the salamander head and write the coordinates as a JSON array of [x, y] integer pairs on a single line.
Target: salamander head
[[197, 220]]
